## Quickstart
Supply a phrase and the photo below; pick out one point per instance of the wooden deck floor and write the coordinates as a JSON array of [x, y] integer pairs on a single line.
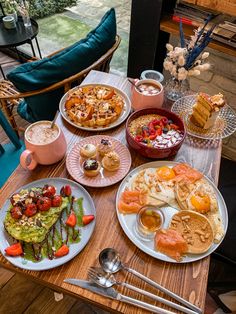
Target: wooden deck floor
[[20, 295]]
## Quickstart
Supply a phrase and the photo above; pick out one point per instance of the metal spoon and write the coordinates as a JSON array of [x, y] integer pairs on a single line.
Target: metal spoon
[[54, 120], [136, 86], [110, 261], [107, 280]]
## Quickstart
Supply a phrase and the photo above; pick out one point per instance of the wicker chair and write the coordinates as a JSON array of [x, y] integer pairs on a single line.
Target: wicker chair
[[10, 97]]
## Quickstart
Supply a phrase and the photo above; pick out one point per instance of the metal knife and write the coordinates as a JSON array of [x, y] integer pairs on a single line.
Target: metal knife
[[113, 294]]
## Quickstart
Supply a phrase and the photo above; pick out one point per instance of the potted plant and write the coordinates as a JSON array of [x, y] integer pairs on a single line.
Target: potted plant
[[10, 8]]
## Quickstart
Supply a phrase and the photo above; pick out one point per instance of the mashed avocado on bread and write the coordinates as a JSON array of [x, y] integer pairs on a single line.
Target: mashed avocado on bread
[[31, 215]]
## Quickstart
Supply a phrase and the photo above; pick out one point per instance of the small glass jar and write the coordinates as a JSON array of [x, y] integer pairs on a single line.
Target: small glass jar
[[149, 219]]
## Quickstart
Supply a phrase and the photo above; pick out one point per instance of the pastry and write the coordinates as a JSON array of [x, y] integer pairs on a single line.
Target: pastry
[[104, 147], [88, 151], [111, 161], [206, 110], [91, 167]]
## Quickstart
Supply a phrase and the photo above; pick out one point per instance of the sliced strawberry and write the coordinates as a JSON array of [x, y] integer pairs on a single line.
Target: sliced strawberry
[[16, 212], [65, 191], [56, 201], [87, 219], [31, 210], [14, 249], [71, 220], [62, 251]]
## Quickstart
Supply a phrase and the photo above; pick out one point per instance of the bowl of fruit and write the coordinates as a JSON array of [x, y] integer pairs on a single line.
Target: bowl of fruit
[[155, 132]]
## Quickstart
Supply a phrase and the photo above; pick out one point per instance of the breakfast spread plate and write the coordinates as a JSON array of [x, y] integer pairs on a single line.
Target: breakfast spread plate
[[98, 161], [171, 211], [224, 126], [46, 223], [95, 107]]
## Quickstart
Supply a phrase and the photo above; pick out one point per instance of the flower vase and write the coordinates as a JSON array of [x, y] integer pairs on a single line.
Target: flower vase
[[175, 89]]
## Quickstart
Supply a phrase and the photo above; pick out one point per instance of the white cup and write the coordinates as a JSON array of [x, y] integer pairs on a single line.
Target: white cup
[[153, 75]]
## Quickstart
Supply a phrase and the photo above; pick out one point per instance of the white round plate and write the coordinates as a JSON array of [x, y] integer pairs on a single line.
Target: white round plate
[[75, 248], [104, 178], [123, 116], [127, 222]]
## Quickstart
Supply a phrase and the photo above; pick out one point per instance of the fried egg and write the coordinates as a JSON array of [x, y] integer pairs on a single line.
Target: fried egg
[[165, 173], [202, 199]]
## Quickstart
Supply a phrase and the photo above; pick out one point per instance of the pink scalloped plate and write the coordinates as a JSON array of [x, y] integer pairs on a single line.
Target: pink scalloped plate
[[104, 178]]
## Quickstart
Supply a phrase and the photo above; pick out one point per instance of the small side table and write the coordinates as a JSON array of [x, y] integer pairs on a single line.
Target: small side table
[[12, 38]]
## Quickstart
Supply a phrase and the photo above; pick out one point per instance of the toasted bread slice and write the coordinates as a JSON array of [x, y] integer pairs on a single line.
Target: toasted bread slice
[[34, 232]]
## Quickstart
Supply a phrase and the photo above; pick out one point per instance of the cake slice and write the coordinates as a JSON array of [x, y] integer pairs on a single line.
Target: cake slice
[[206, 110]]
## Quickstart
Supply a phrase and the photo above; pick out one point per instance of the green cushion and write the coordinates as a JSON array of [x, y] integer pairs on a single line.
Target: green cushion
[[42, 73]]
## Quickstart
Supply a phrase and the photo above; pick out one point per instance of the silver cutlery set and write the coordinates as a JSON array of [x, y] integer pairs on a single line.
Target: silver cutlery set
[[102, 279]]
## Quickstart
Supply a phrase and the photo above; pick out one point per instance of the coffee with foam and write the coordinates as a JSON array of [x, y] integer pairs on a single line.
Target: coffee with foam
[[42, 133]]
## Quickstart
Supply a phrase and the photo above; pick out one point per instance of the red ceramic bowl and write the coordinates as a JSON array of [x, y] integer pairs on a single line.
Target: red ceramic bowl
[[151, 152]]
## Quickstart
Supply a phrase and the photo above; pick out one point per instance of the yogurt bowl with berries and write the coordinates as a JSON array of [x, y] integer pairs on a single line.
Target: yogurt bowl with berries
[[155, 132]]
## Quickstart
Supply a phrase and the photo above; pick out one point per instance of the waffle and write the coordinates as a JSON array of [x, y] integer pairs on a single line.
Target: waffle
[[94, 106]]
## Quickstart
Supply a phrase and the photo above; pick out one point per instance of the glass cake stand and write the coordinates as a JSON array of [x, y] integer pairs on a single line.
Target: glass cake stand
[[224, 126]]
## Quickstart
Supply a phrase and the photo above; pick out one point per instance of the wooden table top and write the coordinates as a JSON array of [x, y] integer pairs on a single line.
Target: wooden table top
[[187, 280]]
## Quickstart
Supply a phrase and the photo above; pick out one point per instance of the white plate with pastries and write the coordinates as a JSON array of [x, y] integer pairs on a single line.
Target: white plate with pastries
[[98, 161], [223, 126], [95, 107], [200, 233]]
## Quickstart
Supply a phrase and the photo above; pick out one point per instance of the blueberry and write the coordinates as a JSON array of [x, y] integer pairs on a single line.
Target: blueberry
[[165, 130]]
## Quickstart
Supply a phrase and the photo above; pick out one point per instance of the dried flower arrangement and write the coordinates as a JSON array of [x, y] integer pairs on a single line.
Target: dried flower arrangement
[[189, 59], [23, 7]]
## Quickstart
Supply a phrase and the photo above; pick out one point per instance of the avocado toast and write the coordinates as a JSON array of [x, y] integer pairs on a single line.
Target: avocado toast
[[33, 213]]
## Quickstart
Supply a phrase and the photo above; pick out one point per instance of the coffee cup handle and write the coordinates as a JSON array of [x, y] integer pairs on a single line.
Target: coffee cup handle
[[24, 160]]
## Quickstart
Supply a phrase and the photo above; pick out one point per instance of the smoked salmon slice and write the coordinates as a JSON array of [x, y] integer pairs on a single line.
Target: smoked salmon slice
[[170, 243], [131, 208], [185, 172], [131, 201]]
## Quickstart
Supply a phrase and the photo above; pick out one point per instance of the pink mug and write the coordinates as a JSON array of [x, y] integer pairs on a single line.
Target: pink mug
[[147, 99], [44, 145]]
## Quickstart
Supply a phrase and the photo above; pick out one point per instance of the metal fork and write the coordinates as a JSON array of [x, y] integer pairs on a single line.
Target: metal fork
[[106, 280]]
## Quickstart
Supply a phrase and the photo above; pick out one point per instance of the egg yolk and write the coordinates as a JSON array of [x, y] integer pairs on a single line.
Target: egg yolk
[[201, 203], [165, 173]]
